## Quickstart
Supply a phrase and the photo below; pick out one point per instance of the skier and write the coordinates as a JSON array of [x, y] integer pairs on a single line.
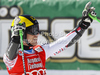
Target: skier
[[35, 55]]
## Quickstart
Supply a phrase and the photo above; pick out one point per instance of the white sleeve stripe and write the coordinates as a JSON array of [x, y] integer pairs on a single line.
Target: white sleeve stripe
[[8, 62]]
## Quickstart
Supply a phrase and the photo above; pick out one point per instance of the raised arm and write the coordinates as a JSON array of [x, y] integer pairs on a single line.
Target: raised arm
[[74, 35], [84, 23], [12, 50]]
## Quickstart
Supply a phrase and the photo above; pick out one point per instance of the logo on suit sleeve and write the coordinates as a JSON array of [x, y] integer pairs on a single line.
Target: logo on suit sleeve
[[38, 49]]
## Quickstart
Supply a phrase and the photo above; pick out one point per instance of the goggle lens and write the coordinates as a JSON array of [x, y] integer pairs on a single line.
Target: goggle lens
[[33, 30]]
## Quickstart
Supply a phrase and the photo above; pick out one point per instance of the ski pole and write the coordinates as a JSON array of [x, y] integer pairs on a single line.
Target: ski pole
[[21, 41], [94, 17]]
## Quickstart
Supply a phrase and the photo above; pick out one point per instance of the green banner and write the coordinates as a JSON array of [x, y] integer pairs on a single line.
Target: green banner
[[52, 8]]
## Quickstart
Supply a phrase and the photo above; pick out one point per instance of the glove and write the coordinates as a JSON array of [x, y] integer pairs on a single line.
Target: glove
[[86, 20], [15, 29], [86, 11], [17, 26]]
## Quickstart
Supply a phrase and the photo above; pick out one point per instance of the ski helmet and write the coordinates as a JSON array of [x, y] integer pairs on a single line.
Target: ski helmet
[[32, 26]]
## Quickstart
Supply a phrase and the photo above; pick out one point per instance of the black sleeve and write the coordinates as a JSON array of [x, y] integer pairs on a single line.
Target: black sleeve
[[79, 30], [12, 50]]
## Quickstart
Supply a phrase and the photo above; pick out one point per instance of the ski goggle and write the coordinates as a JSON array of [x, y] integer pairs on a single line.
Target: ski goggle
[[33, 30]]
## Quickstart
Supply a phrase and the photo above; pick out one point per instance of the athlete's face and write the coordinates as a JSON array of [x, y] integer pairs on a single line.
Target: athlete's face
[[32, 39]]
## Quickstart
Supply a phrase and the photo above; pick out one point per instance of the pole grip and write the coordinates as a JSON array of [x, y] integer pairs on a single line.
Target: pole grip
[[93, 17], [21, 39]]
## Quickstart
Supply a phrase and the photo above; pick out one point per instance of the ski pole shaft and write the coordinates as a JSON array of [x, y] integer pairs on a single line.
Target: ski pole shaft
[[21, 41]]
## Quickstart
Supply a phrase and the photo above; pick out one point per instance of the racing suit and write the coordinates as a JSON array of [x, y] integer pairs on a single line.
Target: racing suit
[[35, 57]]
